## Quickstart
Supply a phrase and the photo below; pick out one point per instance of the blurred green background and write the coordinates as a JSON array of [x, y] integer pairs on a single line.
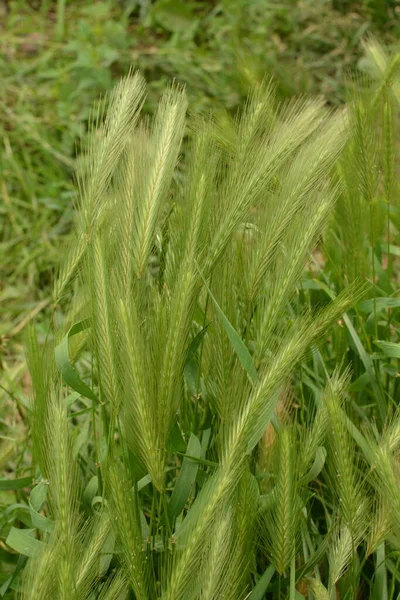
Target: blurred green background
[[57, 57]]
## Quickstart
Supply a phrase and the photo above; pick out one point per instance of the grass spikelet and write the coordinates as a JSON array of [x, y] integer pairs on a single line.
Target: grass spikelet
[[40, 578], [380, 524], [218, 557], [128, 530], [101, 315], [115, 588], [341, 553], [211, 466], [385, 475], [102, 158], [382, 67], [53, 572], [250, 177], [155, 171], [139, 413], [184, 290], [105, 152], [93, 540], [280, 524], [293, 197], [343, 463], [246, 504], [41, 366], [242, 436], [290, 267], [315, 437], [63, 495]]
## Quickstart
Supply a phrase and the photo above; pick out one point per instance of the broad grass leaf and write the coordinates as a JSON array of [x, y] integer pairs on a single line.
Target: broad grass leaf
[[191, 368], [175, 442], [365, 357], [379, 304], [392, 249], [316, 557], [186, 478], [389, 349], [37, 498], [239, 346], [15, 484], [369, 367], [40, 521], [317, 466], [21, 562], [68, 372], [259, 591], [38, 495], [143, 482], [107, 553], [175, 16], [90, 491], [22, 541]]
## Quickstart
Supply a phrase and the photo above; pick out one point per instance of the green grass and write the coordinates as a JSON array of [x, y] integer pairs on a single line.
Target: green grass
[[210, 314], [58, 58]]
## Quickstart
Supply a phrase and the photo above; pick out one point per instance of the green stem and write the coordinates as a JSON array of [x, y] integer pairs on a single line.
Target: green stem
[[60, 19], [292, 594]]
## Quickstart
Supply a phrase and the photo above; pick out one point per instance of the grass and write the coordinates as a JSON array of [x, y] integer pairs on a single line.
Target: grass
[[59, 57], [211, 405]]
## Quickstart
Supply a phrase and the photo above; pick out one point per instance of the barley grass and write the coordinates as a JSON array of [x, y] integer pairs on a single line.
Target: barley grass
[[232, 429]]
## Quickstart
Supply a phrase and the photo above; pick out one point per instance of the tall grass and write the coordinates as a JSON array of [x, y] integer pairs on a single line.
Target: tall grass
[[229, 433]]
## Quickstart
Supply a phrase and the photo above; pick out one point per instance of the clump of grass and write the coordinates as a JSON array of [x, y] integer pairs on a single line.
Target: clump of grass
[[57, 57], [207, 448]]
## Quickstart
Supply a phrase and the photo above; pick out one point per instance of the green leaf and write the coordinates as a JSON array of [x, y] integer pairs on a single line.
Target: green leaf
[[98, 503], [107, 553], [380, 303], [90, 491], [191, 368], [41, 522], [70, 399], [380, 588], [37, 498], [359, 439], [21, 541], [195, 343], [359, 383], [142, 483], [392, 249], [259, 591], [317, 466], [15, 484], [185, 480], [368, 365], [68, 372], [175, 16], [22, 560], [389, 349], [201, 461], [38, 495], [239, 346], [316, 557], [365, 357], [175, 442]]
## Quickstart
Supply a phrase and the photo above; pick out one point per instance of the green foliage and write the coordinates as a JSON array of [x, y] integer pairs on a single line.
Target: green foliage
[[56, 57], [212, 412], [208, 448]]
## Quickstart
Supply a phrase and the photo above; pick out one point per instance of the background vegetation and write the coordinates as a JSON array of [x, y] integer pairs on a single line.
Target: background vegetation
[[56, 58]]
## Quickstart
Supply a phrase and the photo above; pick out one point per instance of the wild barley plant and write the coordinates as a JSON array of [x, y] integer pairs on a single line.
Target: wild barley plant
[[191, 239]]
